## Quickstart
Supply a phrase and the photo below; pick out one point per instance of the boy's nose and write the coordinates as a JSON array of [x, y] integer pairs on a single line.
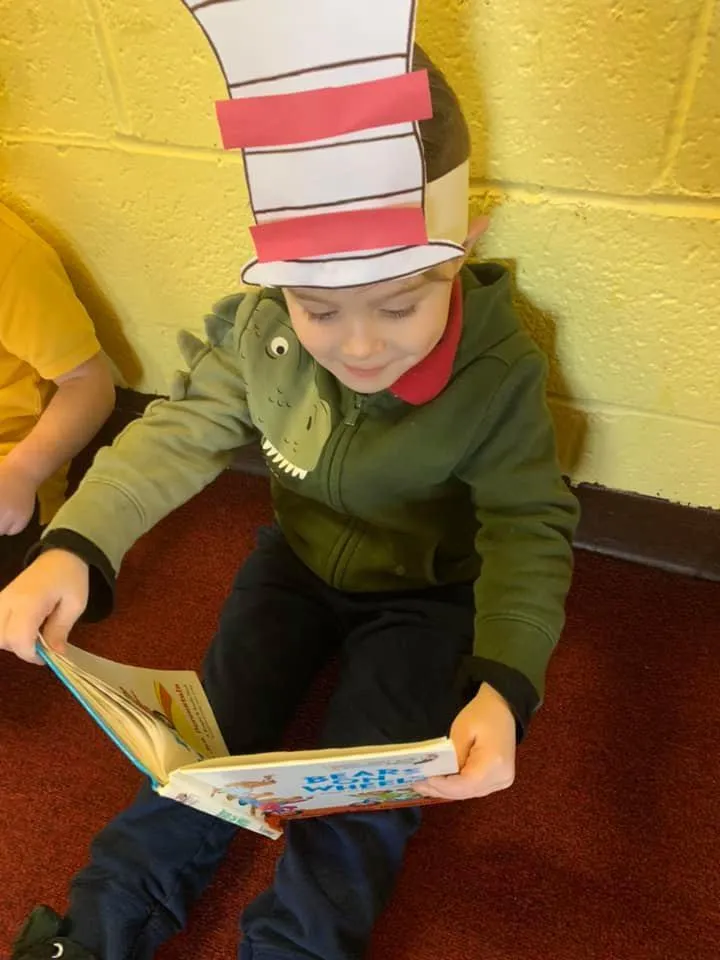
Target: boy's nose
[[361, 345]]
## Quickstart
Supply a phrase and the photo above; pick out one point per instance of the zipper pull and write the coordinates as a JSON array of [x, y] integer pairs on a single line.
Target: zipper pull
[[358, 404]]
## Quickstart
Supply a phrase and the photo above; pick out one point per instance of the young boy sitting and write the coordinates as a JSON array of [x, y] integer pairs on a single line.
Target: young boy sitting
[[423, 531], [56, 388]]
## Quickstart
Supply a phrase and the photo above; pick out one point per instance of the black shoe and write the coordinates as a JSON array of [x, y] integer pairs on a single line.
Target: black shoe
[[40, 939]]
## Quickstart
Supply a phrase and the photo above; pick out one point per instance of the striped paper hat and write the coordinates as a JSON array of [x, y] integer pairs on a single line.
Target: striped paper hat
[[325, 106]]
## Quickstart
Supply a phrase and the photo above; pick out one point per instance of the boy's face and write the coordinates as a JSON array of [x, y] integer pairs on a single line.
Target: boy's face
[[369, 336]]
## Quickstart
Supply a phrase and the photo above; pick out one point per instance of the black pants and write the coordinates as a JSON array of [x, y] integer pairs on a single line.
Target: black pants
[[399, 656], [13, 550]]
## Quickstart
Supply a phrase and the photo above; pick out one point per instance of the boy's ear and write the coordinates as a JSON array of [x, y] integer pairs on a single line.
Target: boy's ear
[[477, 228]]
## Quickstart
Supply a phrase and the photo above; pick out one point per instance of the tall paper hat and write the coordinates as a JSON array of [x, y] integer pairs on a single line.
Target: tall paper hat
[[325, 107]]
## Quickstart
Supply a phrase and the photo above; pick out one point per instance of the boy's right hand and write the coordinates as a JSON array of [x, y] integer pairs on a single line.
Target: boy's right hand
[[48, 597]]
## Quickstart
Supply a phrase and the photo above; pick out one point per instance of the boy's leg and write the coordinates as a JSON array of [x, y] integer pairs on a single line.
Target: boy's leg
[[337, 873], [155, 858]]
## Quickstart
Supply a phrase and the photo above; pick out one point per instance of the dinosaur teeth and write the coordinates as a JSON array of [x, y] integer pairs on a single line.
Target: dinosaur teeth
[[282, 462]]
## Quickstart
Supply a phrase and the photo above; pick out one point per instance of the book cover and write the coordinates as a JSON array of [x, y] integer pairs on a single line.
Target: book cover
[[283, 786]]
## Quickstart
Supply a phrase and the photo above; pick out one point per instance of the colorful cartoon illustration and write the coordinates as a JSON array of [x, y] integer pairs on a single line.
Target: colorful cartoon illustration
[[374, 797], [171, 716], [250, 787], [249, 819], [176, 719], [284, 806], [246, 793]]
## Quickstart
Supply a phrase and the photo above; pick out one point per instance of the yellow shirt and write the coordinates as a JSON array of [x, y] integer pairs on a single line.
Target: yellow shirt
[[45, 333]]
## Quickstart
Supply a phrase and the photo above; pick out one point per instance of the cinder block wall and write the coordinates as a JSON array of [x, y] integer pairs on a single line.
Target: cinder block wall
[[596, 132]]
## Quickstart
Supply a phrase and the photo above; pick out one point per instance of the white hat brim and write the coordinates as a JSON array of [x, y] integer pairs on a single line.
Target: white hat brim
[[349, 271]]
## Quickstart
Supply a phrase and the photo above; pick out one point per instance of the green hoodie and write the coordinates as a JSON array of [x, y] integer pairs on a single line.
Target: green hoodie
[[373, 493]]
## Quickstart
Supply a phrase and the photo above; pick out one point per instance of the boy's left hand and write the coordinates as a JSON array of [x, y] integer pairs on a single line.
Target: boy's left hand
[[485, 741]]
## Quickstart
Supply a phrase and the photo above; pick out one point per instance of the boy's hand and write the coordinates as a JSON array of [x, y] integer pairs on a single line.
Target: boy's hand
[[17, 500], [49, 596], [485, 741]]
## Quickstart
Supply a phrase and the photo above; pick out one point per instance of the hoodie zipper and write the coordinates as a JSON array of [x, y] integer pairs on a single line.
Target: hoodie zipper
[[344, 437], [359, 401], [342, 442]]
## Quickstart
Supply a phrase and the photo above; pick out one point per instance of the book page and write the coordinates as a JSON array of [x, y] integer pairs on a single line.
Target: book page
[[169, 706], [307, 783]]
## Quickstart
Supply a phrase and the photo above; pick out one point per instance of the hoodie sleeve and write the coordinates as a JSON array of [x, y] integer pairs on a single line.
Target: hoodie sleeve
[[161, 460], [527, 517]]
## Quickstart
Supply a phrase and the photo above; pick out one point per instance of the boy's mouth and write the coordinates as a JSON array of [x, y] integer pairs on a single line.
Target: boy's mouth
[[282, 462], [365, 373]]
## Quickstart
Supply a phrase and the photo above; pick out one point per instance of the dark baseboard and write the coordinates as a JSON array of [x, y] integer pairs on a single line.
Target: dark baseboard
[[644, 530], [649, 530]]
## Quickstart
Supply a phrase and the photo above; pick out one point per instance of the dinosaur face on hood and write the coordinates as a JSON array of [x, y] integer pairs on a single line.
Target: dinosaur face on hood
[[283, 398]]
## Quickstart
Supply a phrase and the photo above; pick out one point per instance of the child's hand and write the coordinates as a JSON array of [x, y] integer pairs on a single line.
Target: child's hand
[[485, 741], [17, 500], [53, 592]]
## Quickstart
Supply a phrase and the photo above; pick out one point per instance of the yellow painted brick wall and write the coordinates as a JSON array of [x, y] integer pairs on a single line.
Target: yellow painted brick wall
[[596, 130]]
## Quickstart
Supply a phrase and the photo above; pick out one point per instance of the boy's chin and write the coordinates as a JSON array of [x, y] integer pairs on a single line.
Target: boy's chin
[[367, 385]]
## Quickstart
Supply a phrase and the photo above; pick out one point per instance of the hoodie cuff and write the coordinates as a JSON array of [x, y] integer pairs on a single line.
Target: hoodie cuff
[[101, 599], [517, 690]]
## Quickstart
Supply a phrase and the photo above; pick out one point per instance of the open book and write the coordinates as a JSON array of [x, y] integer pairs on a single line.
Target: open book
[[162, 721]]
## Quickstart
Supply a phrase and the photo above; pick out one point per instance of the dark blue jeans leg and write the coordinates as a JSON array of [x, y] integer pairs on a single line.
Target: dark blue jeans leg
[[337, 872], [154, 859]]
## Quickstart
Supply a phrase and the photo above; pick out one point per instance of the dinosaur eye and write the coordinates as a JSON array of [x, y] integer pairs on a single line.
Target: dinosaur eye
[[278, 347]]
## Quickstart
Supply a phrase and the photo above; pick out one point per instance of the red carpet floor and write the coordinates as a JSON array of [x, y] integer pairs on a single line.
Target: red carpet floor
[[606, 848]]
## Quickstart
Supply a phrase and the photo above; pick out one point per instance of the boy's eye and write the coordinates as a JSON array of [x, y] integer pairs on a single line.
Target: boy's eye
[[326, 315], [399, 314]]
